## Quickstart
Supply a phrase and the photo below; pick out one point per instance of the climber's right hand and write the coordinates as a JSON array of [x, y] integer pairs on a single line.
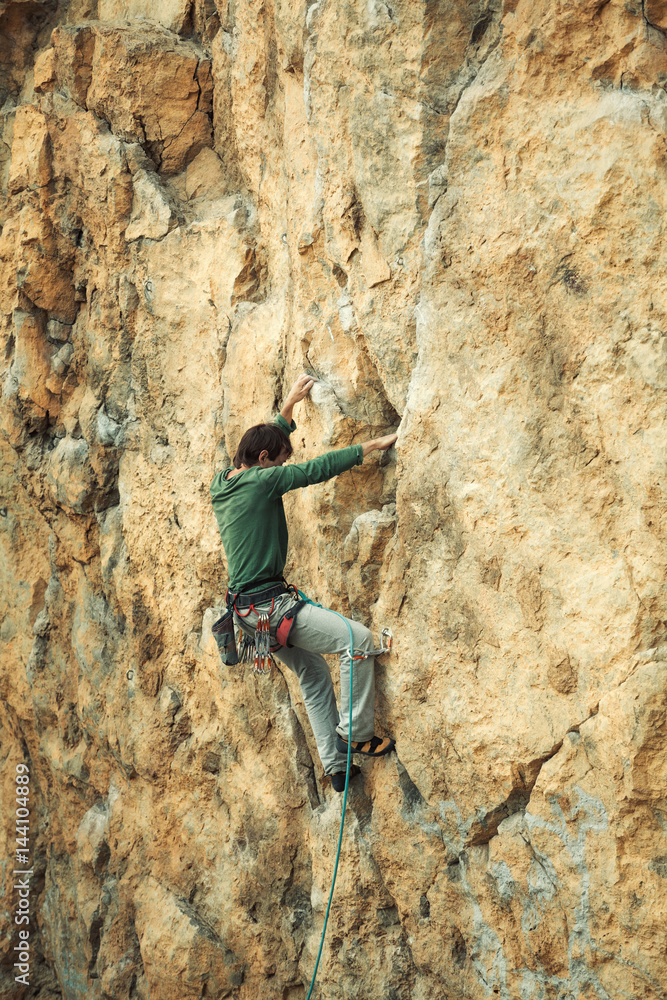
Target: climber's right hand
[[379, 444]]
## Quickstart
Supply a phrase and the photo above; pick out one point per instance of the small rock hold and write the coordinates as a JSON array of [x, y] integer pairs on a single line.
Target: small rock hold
[[56, 330], [45, 70], [659, 866], [108, 431], [205, 176], [42, 624], [151, 213], [345, 313], [61, 360], [305, 241], [238, 218], [170, 702], [137, 158], [438, 180], [54, 383], [128, 298], [211, 763], [388, 916]]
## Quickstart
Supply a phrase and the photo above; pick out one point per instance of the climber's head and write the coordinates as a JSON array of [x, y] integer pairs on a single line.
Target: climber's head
[[263, 444]]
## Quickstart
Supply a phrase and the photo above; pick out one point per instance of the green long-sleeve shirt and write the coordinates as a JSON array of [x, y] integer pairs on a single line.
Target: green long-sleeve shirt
[[250, 514]]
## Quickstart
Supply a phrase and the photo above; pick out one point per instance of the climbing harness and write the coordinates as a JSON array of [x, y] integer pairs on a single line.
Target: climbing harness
[[257, 648], [286, 624]]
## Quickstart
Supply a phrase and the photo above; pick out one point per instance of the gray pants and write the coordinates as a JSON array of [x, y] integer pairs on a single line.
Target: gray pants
[[317, 631]]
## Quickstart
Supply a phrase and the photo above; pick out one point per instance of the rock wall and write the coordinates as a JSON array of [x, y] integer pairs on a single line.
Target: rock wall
[[452, 212]]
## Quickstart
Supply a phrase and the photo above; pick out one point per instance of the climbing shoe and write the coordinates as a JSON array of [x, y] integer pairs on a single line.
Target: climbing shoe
[[377, 746], [338, 778]]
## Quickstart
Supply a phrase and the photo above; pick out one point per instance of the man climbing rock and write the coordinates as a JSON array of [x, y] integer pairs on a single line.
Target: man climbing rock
[[247, 500]]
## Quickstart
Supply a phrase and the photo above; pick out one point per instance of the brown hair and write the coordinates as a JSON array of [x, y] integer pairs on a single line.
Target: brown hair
[[261, 437]]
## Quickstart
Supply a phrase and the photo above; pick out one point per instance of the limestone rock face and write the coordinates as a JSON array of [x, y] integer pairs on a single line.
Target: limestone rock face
[[453, 215]]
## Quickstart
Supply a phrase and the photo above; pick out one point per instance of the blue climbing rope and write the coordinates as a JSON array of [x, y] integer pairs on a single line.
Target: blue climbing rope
[[347, 781]]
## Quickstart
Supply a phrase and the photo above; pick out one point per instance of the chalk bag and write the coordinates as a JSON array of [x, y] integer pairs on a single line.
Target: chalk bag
[[223, 633]]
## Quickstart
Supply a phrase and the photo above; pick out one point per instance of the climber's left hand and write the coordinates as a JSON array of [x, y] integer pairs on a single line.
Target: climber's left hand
[[299, 391]]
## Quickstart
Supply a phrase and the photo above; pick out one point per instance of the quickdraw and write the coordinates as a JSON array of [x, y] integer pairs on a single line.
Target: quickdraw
[[263, 658], [386, 637], [245, 647]]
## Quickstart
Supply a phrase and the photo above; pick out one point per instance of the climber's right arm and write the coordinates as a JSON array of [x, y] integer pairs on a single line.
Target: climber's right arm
[[379, 444], [283, 478]]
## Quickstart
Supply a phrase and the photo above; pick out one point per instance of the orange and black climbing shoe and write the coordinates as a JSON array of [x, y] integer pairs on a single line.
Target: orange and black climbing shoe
[[338, 778], [377, 746]]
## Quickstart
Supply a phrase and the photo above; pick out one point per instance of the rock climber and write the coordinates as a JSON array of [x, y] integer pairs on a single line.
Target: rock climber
[[247, 500]]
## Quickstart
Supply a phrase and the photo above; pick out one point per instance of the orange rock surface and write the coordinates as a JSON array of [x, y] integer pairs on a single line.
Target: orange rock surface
[[453, 215]]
